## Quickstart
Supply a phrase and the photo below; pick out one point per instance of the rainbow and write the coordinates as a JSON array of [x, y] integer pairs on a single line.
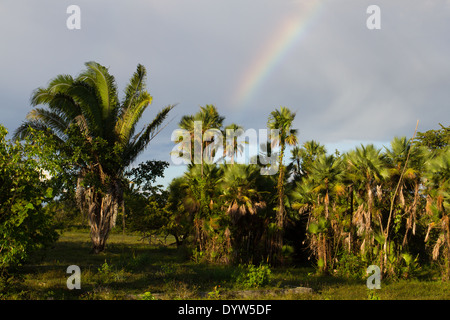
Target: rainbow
[[274, 51]]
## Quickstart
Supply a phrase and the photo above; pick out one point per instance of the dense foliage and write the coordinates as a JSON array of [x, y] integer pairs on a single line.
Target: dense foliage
[[387, 206], [97, 130], [25, 187]]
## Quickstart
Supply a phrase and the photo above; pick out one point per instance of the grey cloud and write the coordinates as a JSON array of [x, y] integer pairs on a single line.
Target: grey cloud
[[345, 82]]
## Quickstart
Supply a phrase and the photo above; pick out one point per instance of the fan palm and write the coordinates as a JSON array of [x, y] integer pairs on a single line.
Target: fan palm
[[325, 178], [233, 147], [303, 157], [244, 203], [85, 113], [282, 120], [209, 119], [240, 191], [405, 161], [437, 182], [200, 198], [367, 170]]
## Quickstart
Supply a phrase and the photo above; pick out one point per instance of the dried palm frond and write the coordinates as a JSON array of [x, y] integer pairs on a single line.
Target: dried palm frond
[[437, 246], [379, 192]]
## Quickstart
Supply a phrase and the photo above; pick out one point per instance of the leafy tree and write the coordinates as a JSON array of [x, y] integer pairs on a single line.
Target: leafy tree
[[98, 131], [144, 201], [179, 219], [434, 140], [143, 177], [25, 188]]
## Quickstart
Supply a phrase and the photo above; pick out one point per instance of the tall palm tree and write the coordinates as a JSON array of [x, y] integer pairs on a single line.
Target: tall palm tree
[[325, 186], [200, 200], [202, 175], [405, 162], [366, 168], [281, 120], [210, 119], [85, 114], [325, 176], [233, 148]]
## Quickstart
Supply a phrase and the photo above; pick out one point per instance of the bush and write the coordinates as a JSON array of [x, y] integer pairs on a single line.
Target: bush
[[24, 224], [107, 274], [147, 296], [251, 276], [351, 266]]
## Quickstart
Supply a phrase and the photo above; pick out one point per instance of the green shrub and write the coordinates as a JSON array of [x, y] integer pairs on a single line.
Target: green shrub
[[107, 274], [24, 191], [147, 296], [251, 276], [351, 266]]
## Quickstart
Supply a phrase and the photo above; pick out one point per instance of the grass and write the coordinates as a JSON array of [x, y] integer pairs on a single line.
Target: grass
[[133, 269]]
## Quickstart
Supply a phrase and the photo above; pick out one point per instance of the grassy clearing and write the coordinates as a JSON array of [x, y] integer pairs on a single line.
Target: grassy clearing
[[130, 268]]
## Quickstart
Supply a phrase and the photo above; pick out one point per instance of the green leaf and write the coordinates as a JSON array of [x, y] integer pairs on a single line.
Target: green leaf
[[313, 228], [49, 193]]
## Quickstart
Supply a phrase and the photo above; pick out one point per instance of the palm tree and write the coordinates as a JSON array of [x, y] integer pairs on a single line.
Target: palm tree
[[366, 169], [244, 201], [233, 148], [200, 197], [405, 162], [324, 187], [240, 193], [281, 120], [85, 114], [209, 119], [296, 162], [179, 220], [437, 183], [303, 157]]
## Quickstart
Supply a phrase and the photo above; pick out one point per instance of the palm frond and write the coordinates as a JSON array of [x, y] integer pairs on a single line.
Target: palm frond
[[126, 123], [52, 119], [27, 127], [143, 138], [98, 77], [134, 88]]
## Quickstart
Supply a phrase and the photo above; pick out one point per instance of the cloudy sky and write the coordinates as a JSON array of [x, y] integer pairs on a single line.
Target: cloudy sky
[[347, 84]]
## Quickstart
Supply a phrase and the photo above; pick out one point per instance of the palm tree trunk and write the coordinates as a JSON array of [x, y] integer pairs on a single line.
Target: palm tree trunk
[[102, 211], [280, 213], [351, 223], [123, 217], [446, 222]]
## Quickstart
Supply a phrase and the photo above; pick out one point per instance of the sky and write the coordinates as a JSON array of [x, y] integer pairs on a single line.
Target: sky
[[348, 84]]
